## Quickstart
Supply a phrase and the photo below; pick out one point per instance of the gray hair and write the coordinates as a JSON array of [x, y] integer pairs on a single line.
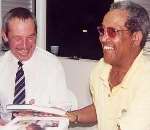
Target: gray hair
[[138, 18], [20, 13]]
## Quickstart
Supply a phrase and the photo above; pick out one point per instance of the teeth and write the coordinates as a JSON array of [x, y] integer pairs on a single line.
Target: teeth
[[23, 52], [107, 48]]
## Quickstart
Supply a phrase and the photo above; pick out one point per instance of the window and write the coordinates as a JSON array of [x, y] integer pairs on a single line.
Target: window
[[6, 5], [72, 25]]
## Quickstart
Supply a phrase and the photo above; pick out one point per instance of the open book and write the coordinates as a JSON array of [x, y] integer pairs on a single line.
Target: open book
[[35, 108], [43, 123]]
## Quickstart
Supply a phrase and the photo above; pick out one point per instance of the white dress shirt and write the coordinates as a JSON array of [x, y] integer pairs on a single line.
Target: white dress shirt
[[44, 81]]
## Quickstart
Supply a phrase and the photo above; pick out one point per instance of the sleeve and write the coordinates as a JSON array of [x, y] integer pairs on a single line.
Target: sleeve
[[91, 86], [94, 78], [61, 96], [137, 116]]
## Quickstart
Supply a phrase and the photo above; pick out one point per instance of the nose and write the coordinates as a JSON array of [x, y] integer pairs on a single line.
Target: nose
[[103, 38], [24, 43]]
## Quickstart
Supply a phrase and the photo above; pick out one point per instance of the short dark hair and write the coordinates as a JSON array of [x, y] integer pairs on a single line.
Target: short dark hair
[[138, 18], [20, 13]]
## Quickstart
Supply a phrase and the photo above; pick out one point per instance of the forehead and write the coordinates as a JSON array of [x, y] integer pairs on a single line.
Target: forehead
[[16, 22], [21, 26], [115, 18]]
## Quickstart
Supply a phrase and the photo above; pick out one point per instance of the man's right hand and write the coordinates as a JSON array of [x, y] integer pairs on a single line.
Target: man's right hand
[[84, 115], [33, 127], [2, 122]]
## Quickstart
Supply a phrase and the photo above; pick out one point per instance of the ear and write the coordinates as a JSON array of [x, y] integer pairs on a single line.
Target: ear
[[137, 38], [4, 36]]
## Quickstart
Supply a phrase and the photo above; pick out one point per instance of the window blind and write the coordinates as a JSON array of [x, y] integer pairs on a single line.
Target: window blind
[[6, 5]]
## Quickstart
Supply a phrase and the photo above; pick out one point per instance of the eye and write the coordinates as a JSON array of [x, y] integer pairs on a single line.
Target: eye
[[31, 38], [17, 39], [100, 30], [111, 32]]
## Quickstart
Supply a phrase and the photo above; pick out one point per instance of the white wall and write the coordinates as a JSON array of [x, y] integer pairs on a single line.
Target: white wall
[[0, 15], [0, 24], [77, 77], [41, 22]]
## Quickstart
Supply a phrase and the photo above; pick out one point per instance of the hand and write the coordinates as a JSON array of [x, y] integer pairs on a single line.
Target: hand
[[24, 113], [72, 116], [2, 122], [33, 127]]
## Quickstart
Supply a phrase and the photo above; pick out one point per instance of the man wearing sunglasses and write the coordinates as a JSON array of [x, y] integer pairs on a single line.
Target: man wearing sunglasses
[[120, 82]]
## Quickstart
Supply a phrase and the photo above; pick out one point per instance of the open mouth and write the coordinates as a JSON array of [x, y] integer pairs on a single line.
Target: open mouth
[[108, 48], [23, 52]]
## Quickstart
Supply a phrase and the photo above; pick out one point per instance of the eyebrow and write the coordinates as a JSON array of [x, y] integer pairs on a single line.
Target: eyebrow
[[34, 33]]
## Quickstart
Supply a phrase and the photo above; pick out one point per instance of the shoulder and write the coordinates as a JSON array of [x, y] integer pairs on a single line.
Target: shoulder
[[7, 56], [44, 57], [145, 63], [5, 60], [100, 71], [140, 72], [100, 67]]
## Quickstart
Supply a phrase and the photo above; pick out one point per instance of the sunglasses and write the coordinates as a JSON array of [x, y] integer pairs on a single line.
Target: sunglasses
[[111, 32]]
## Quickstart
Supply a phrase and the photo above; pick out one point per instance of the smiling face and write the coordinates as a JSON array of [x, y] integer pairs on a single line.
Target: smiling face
[[21, 38], [116, 49]]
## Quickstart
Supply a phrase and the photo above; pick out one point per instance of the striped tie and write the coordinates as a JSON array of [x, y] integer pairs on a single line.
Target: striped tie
[[19, 95]]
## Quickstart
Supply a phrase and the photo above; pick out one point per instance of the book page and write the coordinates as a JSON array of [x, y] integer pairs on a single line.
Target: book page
[[36, 109], [21, 123]]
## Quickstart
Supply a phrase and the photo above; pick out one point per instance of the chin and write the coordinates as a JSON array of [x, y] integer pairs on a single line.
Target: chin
[[108, 61], [25, 58]]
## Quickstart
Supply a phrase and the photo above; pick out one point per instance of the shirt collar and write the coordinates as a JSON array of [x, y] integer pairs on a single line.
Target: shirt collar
[[105, 70], [134, 67], [13, 58]]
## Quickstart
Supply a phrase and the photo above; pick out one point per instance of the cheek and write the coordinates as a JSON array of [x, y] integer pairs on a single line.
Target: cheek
[[30, 43], [118, 42], [13, 45], [32, 47]]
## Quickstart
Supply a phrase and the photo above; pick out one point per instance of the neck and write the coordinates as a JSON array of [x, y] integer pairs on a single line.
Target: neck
[[118, 71], [126, 62]]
